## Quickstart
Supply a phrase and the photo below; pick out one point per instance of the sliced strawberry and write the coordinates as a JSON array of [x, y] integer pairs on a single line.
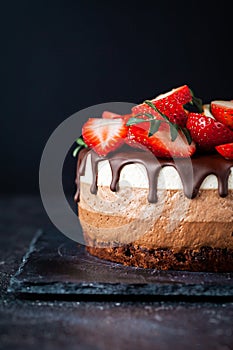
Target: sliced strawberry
[[223, 112], [176, 113], [180, 95], [171, 104], [207, 132], [104, 135], [144, 108], [110, 115], [160, 143], [226, 150], [132, 141]]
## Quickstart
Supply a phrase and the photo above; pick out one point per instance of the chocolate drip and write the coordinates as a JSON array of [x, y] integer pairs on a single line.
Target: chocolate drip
[[192, 171], [216, 165], [81, 165], [152, 167]]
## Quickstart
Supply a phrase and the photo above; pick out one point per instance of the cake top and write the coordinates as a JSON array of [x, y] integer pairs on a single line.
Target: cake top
[[168, 130]]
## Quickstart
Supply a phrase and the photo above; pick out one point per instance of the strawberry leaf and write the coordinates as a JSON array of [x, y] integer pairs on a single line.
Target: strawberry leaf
[[81, 144], [187, 135], [173, 131], [134, 120], [77, 149], [149, 103], [154, 127], [197, 102], [195, 105], [149, 115]]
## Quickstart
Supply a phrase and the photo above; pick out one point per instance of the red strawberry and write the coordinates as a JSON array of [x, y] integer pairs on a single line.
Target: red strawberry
[[207, 112], [160, 143], [226, 150], [175, 112], [207, 132], [171, 104], [223, 112], [104, 135], [110, 115], [145, 108], [180, 95]]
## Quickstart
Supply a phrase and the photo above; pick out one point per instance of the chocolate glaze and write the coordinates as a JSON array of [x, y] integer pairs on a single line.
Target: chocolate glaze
[[192, 171]]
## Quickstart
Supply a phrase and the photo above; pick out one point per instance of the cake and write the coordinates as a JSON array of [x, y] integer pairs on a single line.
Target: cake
[[154, 197]]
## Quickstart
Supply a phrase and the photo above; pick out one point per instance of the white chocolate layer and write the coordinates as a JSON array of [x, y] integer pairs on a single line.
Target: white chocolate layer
[[135, 175]]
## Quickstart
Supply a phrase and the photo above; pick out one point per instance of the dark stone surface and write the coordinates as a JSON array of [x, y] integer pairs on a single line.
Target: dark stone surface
[[55, 266], [48, 324]]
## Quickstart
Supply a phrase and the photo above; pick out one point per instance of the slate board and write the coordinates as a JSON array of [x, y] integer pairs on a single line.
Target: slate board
[[55, 267]]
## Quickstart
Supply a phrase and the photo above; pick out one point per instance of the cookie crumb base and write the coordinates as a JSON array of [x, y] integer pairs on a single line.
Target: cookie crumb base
[[206, 259]]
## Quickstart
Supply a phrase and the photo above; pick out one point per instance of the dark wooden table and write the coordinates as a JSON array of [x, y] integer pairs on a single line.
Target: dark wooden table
[[36, 324]]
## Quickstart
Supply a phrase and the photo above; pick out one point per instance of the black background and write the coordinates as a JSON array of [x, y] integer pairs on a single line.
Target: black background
[[58, 57]]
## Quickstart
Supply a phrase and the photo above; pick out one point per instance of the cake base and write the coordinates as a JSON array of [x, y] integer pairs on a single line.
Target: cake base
[[206, 259]]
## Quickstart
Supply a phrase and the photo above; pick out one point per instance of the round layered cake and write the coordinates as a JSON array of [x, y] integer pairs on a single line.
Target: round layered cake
[[143, 211], [155, 186]]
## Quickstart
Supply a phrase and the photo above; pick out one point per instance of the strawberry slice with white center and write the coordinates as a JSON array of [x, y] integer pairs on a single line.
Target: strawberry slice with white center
[[110, 115], [223, 112], [104, 135], [171, 104], [207, 132], [226, 150], [160, 143]]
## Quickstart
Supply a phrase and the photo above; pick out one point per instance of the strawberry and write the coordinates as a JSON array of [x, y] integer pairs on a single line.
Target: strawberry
[[207, 132], [171, 104], [160, 143], [180, 95], [223, 112], [133, 141], [175, 112], [145, 108], [226, 150], [104, 135], [110, 115]]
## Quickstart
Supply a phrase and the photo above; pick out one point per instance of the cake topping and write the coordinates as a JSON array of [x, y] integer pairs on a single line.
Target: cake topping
[[171, 104], [174, 127], [163, 138], [225, 150], [223, 112], [104, 135], [207, 132]]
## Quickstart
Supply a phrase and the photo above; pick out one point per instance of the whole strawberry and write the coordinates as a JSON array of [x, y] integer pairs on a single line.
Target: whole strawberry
[[207, 132]]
